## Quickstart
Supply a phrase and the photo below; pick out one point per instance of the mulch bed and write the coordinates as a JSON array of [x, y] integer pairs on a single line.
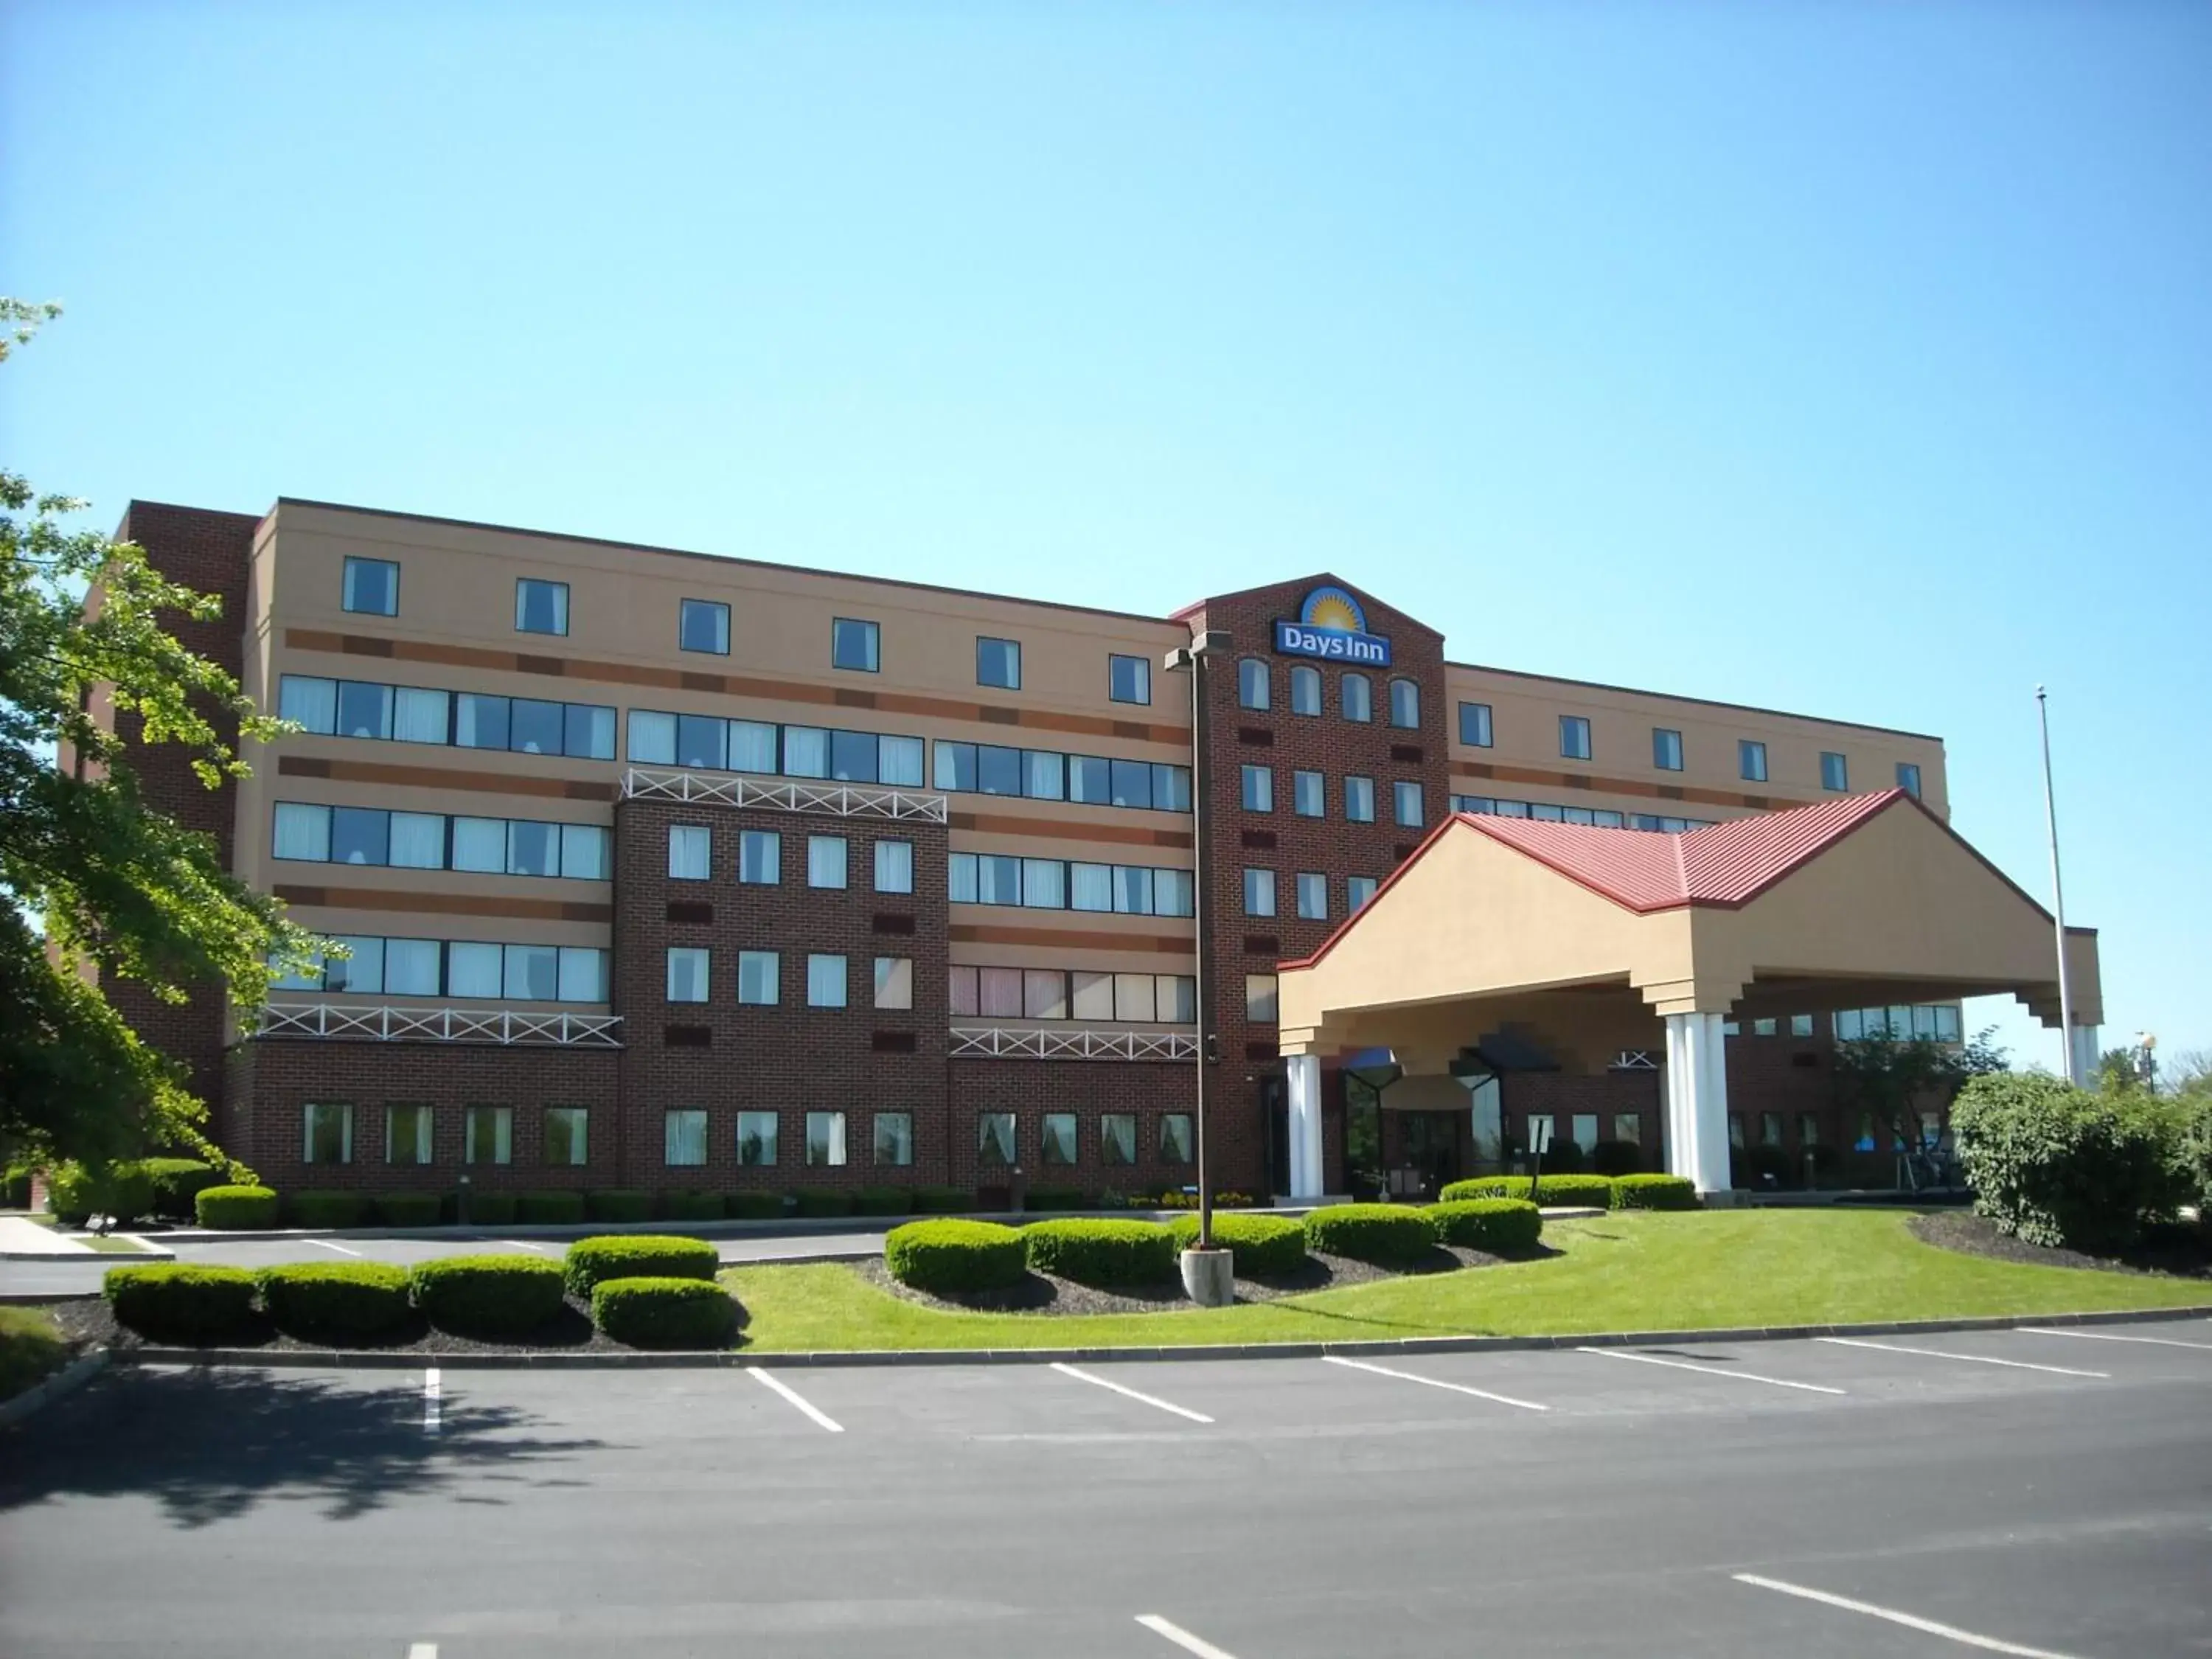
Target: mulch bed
[[2174, 1252]]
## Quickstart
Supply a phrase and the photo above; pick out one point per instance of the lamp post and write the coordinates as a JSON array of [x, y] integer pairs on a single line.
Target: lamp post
[[1192, 659]]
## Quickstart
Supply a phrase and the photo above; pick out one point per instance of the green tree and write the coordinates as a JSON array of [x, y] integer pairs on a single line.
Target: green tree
[[105, 888], [1893, 1079]]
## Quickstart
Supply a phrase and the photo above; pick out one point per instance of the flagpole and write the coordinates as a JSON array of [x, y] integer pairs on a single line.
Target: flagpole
[[2057, 899]]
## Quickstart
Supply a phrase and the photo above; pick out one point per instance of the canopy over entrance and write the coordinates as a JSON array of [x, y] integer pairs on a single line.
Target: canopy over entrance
[[1605, 940]]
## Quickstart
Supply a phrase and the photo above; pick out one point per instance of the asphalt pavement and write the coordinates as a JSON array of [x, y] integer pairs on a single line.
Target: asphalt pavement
[[2017, 1491]]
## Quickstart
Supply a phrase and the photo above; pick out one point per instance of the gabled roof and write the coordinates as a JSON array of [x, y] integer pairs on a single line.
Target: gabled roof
[[1306, 584]]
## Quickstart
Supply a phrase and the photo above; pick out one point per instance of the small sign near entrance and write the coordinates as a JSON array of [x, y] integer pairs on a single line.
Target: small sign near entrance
[[1331, 624]]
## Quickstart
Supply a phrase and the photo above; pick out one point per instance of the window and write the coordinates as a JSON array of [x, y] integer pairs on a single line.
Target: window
[[999, 662], [1357, 698], [1751, 760], [407, 1137], [703, 625], [1359, 799], [1761, 1028], [329, 1134], [1735, 1130], [895, 867], [1628, 1127], [1259, 892], [360, 971], [1540, 1129], [1305, 690], [540, 607], [1583, 1127], [567, 1136], [371, 587], [302, 832], [1128, 679], [1260, 998], [1801, 1025], [1770, 1129], [999, 993], [487, 1134], [420, 715], [1259, 789], [894, 981], [1808, 1128], [1666, 749], [1056, 1141], [825, 861], [1908, 779], [1405, 804], [856, 645], [1136, 998], [758, 972], [1475, 725], [684, 1138], [1405, 704], [1178, 994], [894, 1139], [1042, 775], [473, 968], [1044, 884], [582, 975], [1308, 794], [760, 857], [691, 852], [1253, 683], [995, 1139], [1835, 772], [825, 1140], [1313, 896], [410, 968], [1574, 737], [1175, 1137], [825, 982], [364, 710], [1117, 1138], [1358, 889], [756, 1141], [688, 973], [312, 703]]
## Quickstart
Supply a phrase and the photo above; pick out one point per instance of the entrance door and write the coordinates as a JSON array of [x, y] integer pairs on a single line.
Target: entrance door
[[1275, 1113], [1434, 1147]]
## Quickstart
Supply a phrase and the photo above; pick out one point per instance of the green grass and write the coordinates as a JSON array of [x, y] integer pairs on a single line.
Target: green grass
[[1622, 1272], [31, 1345], [110, 1244]]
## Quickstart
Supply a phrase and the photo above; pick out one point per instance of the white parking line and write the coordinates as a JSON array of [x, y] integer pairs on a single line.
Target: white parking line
[[328, 1245], [422, 1650], [769, 1381], [2109, 1336], [1182, 1637], [1970, 1359], [1085, 1376], [523, 1245], [432, 1404], [1711, 1370], [1950, 1632], [1456, 1387]]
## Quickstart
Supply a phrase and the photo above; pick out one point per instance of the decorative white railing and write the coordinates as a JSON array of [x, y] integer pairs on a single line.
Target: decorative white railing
[[511, 1026], [1024, 1042], [844, 800], [1633, 1060]]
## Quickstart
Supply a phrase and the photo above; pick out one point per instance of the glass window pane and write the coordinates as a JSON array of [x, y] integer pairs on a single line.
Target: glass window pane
[[533, 972], [1090, 887], [898, 761], [956, 765], [689, 974], [1259, 788], [480, 721], [1175, 1137], [487, 1135], [364, 711], [998, 880], [825, 982], [856, 645], [1044, 884], [964, 991], [999, 663], [360, 971], [702, 741], [541, 607], [1307, 794], [1133, 890], [685, 1142], [1305, 690], [473, 969], [995, 1139], [1136, 996], [589, 733], [583, 852], [759, 974], [756, 1141], [1044, 993], [583, 974], [825, 1139], [1253, 683], [1260, 998], [1171, 892], [894, 1134], [751, 746], [1406, 803], [371, 587], [1090, 779], [1259, 892], [480, 844], [1752, 760], [1908, 778], [359, 834], [1475, 725], [418, 841], [535, 727], [410, 968], [1357, 698], [1405, 704], [825, 861], [1056, 1141], [894, 981], [567, 1136], [805, 752], [703, 625], [1128, 679], [895, 867], [1117, 1138], [652, 737], [760, 857], [313, 703], [419, 715], [1178, 998], [301, 832], [998, 771], [1001, 990], [1132, 783], [1313, 896], [960, 878], [533, 849], [1359, 799], [1091, 995], [1171, 788]]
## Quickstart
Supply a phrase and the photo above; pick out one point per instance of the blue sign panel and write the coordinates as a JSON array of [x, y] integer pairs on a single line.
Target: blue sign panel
[[1331, 624]]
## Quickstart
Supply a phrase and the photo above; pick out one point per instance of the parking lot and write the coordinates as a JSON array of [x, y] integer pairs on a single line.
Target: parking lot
[[2017, 1491]]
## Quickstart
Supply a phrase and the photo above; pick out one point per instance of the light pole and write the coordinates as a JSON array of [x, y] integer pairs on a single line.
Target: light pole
[[2058, 901], [1192, 659]]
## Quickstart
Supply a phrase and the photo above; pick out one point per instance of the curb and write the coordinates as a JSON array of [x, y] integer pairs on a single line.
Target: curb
[[146, 1252], [374, 1359], [71, 1377]]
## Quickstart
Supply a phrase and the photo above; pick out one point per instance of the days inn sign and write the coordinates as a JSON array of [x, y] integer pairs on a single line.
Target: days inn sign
[[1331, 625]]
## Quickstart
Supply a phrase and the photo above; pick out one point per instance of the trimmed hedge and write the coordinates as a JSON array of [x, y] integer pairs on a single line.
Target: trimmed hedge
[[177, 1181], [665, 1313], [882, 1200], [486, 1209], [1390, 1234], [1560, 1191], [487, 1296], [1499, 1227], [942, 1200], [1056, 1197], [1101, 1252], [753, 1206], [556, 1209], [618, 1204], [636, 1255], [1261, 1244], [120, 1191], [410, 1209], [2056, 1165], [691, 1206], [320, 1209], [172, 1302], [819, 1201], [954, 1255], [344, 1304], [1654, 1192], [1616, 1158], [235, 1209]]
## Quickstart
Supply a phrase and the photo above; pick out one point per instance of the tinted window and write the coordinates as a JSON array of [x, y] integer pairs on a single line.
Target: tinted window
[[536, 728]]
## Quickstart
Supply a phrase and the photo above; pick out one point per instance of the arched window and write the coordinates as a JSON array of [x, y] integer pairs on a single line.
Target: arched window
[[1359, 698], [1405, 704], [1305, 690], [1252, 683]]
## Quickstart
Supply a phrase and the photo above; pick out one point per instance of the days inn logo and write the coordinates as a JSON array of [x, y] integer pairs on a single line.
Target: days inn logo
[[1331, 624]]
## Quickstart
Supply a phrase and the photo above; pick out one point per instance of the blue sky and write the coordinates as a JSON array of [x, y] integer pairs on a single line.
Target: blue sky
[[1849, 359]]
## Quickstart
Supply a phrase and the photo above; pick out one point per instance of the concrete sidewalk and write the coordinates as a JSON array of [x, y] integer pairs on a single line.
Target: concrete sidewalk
[[22, 1240]]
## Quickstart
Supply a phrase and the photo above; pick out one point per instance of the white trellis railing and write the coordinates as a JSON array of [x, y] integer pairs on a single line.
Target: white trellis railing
[[512, 1027], [847, 800], [1026, 1043]]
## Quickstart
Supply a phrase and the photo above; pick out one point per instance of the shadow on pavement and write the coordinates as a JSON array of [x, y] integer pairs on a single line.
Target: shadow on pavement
[[209, 1445]]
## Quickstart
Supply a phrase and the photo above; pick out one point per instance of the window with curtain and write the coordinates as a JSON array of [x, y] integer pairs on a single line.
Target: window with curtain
[[1405, 704], [760, 857], [410, 967], [480, 844], [825, 1140], [487, 1135], [1574, 737], [1406, 803], [895, 983], [1359, 799], [1056, 1138], [758, 972], [1136, 998], [583, 974], [329, 1132], [407, 1134], [756, 1141], [418, 841], [540, 607], [1175, 1142], [301, 832], [474, 968], [1259, 892], [1259, 789], [362, 971], [1090, 886], [995, 1139], [684, 1137], [419, 715], [312, 702], [371, 587], [1356, 698], [1091, 995], [1128, 679], [1475, 725], [1117, 1138], [480, 720], [1308, 794], [1001, 993], [825, 861], [1133, 890], [703, 625], [1305, 690], [805, 752], [1044, 884], [688, 973], [1253, 683], [856, 645], [1313, 896], [751, 746], [567, 1136], [825, 982], [894, 1139], [895, 867], [533, 972], [1260, 998]]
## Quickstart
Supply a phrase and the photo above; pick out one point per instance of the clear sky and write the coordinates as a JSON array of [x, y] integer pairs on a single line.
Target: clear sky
[[1851, 359]]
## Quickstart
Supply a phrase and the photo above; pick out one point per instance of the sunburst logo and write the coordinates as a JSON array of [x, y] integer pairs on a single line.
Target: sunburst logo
[[1334, 608], [1331, 624]]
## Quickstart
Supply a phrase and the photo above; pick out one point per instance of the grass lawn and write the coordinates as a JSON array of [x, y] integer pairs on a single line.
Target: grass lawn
[[110, 1244], [1622, 1272], [30, 1347]]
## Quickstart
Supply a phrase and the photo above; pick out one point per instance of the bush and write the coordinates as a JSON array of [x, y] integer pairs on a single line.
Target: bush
[[15, 1188], [691, 1206], [625, 1204], [548, 1209], [1390, 1234], [665, 1313], [487, 1296], [71, 1194], [1499, 1226], [1616, 1157], [1756, 1168], [172, 1301], [486, 1209], [882, 1200], [176, 1182], [1262, 1244], [819, 1201], [410, 1209], [1654, 1192], [1498, 1186], [235, 1209], [1564, 1155], [754, 1206], [121, 1191], [1101, 1252], [2056, 1165], [1175, 1199], [942, 1200], [1571, 1191], [344, 1304], [954, 1255], [2197, 1154], [326, 1209], [636, 1255], [1056, 1197]]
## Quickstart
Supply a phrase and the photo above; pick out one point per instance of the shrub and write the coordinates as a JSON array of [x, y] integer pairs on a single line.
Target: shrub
[[2056, 1165], [1387, 1234], [176, 1182], [486, 1209], [235, 1209], [410, 1209], [882, 1200], [753, 1206], [691, 1206], [954, 1255], [2197, 1154], [1262, 1244], [1497, 1186], [559, 1209], [326, 1209], [1101, 1252], [120, 1191], [487, 1296], [636, 1255], [819, 1201], [1175, 1199], [71, 1194], [624, 1204], [1564, 1155], [1571, 1191], [942, 1200], [1654, 1192], [15, 1188], [340, 1302], [1616, 1157], [172, 1301], [1056, 1197], [1500, 1226], [665, 1313]]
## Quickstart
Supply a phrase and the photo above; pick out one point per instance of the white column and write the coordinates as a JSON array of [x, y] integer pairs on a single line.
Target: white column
[[2084, 1054], [1712, 1124], [1697, 1100], [1680, 1088], [1305, 1125]]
